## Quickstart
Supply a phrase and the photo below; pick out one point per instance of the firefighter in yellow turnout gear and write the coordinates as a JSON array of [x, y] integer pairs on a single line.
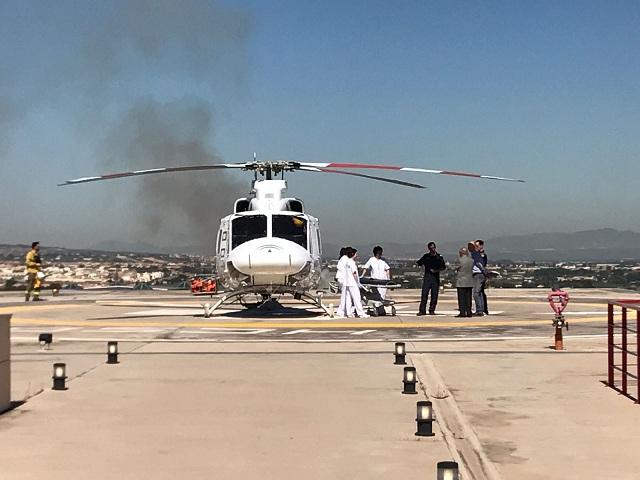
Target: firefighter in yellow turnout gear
[[34, 265]]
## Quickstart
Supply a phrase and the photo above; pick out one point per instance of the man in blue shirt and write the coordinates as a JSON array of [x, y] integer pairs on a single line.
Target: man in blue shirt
[[480, 247], [479, 278]]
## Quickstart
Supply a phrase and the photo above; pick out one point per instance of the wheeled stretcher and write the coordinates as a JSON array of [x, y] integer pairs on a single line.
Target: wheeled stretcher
[[372, 301]]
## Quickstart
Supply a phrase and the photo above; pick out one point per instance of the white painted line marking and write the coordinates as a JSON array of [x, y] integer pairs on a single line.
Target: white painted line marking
[[294, 332], [229, 331], [493, 338], [168, 312], [443, 313], [363, 332], [422, 339], [43, 329], [326, 331], [602, 312], [305, 330], [139, 304], [129, 329]]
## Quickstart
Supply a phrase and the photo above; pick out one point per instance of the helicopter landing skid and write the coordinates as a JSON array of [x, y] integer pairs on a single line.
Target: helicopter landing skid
[[317, 302], [232, 297]]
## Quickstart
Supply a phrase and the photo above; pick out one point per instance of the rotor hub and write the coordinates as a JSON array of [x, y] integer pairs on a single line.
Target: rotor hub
[[274, 167]]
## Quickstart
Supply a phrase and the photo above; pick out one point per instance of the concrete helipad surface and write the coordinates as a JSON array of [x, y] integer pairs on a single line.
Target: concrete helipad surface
[[177, 315], [300, 395]]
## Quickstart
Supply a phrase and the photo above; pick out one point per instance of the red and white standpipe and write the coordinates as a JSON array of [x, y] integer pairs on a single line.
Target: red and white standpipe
[[558, 299]]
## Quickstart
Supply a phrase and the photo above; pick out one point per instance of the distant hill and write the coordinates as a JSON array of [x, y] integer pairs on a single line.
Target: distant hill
[[118, 246], [593, 245], [141, 247], [589, 245], [603, 244], [53, 253]]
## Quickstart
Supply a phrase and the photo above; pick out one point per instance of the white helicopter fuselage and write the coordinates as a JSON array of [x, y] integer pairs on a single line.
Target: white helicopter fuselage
[[269, 244]]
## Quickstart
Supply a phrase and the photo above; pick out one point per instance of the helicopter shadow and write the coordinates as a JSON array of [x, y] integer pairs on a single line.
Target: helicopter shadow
[[271, 312]]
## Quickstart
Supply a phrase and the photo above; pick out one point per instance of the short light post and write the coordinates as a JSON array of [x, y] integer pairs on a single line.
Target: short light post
[[112, 352], [409, 381], [400, 353], [45, 340], [59, 376], [424, 419], [448, 471]]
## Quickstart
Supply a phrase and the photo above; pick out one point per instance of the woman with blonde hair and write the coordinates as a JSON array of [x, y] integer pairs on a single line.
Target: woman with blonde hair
[[464, 280]]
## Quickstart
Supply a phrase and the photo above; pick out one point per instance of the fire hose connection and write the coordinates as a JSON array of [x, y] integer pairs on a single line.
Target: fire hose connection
[[558, 300]]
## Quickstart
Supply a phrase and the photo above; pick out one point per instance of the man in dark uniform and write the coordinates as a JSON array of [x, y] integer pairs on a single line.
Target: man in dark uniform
[[480, 248], [433, 264]]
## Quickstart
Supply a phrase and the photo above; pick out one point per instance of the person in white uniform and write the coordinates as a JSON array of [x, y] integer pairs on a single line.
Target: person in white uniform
[[342, 308], [379, 269], [352, 286]]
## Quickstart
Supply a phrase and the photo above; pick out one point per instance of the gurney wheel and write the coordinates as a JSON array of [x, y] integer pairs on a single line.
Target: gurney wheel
[[393, 310], [374, 311]]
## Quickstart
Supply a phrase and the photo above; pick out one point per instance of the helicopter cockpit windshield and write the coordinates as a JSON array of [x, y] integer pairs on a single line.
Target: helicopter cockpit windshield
[[248, 227], [290, 227]]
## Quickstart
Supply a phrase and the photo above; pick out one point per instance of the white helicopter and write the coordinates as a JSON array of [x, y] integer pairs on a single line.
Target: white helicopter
[[269, 245]]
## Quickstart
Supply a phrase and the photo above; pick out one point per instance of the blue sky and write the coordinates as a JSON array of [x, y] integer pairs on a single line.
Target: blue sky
[[545, 91]]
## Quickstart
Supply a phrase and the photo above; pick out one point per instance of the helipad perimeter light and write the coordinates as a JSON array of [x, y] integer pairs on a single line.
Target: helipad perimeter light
[[400, 353], [59, 376], [424, 419], [112, 352], [448, 471], [409, 381], [45, 340]]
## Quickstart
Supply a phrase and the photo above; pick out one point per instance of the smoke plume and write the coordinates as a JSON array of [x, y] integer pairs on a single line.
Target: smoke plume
[[173, 49], [153, 134]]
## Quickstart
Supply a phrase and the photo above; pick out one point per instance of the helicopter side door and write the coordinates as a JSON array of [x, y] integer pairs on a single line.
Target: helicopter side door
[[315, 249], [222, 246]]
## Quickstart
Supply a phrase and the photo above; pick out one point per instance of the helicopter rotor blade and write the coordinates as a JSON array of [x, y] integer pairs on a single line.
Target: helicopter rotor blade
[[406, 169], [152, 171], [362, 175]]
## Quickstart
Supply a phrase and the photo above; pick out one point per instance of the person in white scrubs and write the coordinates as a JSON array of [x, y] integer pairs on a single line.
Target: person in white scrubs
[[340, 273], [352, 286], [379, 269]]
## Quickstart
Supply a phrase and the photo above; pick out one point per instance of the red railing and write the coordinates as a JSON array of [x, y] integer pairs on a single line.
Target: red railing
[[628, 346]]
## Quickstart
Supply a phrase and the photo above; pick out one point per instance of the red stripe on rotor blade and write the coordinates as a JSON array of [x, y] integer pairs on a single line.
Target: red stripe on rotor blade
[[461, 174], [372, 177], [362, 165]]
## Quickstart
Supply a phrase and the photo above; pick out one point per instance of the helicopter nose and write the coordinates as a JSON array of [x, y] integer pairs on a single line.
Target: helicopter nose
[[270, 258]]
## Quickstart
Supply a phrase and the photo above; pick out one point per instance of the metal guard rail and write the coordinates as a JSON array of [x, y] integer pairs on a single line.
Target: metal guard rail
[[625, 347]]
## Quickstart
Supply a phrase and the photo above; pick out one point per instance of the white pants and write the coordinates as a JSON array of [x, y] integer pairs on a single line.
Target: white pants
[[343, 307], [351, 300]]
